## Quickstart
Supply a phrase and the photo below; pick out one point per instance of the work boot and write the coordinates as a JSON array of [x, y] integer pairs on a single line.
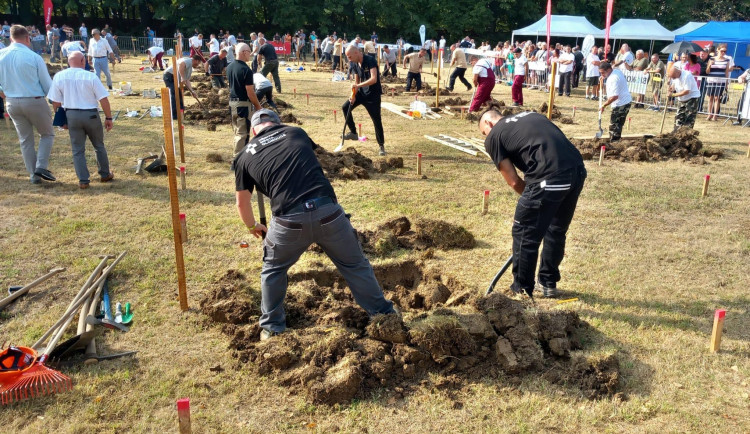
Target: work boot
[[382, 150], [547, 291], [267, 334], [468, 88], [351, 136], [108, 178]]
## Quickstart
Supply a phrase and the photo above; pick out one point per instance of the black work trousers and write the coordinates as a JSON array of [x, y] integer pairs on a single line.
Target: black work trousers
[[372, 105], [543, 213], [389, 68], [413, 76], [458, 73], [565, 78], [169, 82]]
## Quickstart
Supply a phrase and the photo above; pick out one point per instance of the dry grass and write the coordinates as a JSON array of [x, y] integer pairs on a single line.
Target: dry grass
[[647, 257]]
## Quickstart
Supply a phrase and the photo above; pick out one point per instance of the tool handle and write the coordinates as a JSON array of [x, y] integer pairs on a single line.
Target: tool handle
[[498, 275], [7, 300], [262, 212]]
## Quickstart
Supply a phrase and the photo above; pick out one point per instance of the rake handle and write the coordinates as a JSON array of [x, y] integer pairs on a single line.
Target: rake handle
[[7, 300]]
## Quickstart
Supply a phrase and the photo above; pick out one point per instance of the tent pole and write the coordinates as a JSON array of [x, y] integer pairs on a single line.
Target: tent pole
[[512, 38], [651, 50]]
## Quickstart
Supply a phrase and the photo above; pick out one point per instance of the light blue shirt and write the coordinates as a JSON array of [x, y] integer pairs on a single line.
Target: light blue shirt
[[23, 73]]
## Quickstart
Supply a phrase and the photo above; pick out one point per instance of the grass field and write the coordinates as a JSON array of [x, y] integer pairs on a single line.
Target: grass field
[[648, 258]]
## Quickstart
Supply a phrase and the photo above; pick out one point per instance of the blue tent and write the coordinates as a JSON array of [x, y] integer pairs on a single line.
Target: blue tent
[[736, 34]]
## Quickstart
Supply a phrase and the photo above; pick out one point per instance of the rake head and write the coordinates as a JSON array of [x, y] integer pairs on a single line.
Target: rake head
[[39, 380]]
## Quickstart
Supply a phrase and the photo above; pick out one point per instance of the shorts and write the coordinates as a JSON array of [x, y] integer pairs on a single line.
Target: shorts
[[655, 85], [593, 81]]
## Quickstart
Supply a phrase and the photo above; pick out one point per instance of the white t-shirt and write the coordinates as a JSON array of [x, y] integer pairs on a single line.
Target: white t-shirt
[[215, 46], [232, 40], [100, 48], [562, 68], [442, 43], [154, 51], [617, 84], [260, 82], [520, 65], [686, 81], [71, 46], [481, 67], [627, 59], [83, 31], [591, 69], [77, 88], [196, 42]]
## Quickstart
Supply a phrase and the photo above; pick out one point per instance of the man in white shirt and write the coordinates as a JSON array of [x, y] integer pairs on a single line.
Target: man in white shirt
[[196, 46], [185, 66], [519, 76], [618, 96], [592, 73], [99, 51], [213, 46], [686, 91], [565, 68], [624, 59], [428, 49], [155, 55], [79, 93], [264, 89], [83, 31], [484, 80]]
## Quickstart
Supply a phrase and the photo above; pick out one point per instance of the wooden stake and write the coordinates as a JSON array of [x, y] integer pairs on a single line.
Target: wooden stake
[[380, 53], [718, 330], [419, 164], [177, 99], [601, 154], [748, 150], [183, 228], [360, 130], [551, 101], [629, 119], [173, 197], [485, 201], [574, 112], [182, 177], [663, 117], [705, 185], [295, 93], [437, 84], [748, 143], [183, 415], [308, 99], [335, 117]]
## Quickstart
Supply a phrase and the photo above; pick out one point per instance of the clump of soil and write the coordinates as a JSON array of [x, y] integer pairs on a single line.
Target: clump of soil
[[392, 79], [451, 102], [213, 157], [54, 69], [350, 164], [682, 144], [447, 338], [511, 110], [289, 118], [282, 104], [216, 102], [426, 234]]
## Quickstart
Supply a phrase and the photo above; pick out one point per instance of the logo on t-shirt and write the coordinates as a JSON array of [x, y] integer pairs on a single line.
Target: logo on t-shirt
[[265, 141]]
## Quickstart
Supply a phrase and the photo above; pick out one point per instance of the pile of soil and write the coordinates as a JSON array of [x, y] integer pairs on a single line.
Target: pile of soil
[[453, 102], [350, 164], [426, 234], [392, 79], [510, 111], [54, 69], [682, 144], [216, 102], [447, 339]]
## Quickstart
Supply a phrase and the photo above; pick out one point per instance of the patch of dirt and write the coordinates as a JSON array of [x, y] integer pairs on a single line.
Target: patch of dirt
[[54, 69], [216, 102], [447, 339], [213, 157], [392, 79], [350, 164], [682, 144], [510, 111], [426, 234], [289, 118]]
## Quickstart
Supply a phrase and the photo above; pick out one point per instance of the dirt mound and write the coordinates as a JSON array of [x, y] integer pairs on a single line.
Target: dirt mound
[[54, 69], [350, 164], [682, 144], [426, 234], [289, 118], [511, 110], [457, 101], [447, 339], [392, 79], [282, 104], [213, 157]]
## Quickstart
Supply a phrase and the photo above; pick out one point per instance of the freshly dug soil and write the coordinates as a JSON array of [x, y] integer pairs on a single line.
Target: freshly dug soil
[[54, 69], [350, 164], [289, 118], [213, 157], [682, 144], [510, 111], [216, 102], [426, 235]]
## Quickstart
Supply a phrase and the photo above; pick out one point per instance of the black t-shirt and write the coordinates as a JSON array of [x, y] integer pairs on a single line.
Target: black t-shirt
[[465, 44], [533, 144], [702, 63], [239, 75], [281, 163], [216, 64], [268, 52], [578, 57], [364, 74]]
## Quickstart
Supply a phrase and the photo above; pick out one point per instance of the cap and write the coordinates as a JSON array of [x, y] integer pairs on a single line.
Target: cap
[[264, 115]]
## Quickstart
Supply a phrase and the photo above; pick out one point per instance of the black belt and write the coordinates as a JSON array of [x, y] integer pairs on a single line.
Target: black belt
[[307, 206], [323, 221], [102, 57], [82, 110]]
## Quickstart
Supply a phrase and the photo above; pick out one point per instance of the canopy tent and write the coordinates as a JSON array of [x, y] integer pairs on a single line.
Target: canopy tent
[[561, 25], [689, 27], [736, 34], [648, 30]]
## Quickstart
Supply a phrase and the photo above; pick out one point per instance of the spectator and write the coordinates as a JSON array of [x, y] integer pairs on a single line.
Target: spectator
[[592, 73], [519, 75], [702, 62], [718, 68], [566, 63], [577, 65], [99, 52], [150, 34], [692, 66], [624, 59], [657, 73], [640, 64], [53, 36], [112, 41]]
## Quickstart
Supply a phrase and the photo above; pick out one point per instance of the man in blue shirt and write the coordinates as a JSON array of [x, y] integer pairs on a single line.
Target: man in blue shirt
[[24, 82]]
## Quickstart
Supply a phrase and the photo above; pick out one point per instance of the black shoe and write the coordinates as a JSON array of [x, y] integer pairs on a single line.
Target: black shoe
[[110, 87], [45, 175], [449, 89], [351, 136], [468, 88]]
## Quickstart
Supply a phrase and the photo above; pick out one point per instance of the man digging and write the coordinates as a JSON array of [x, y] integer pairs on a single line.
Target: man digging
[[553, 178], [280, 162], [688, 95], [618, 96], [367, 84]]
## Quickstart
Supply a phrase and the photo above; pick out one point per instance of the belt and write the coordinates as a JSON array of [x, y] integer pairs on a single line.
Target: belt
[[81, 110], [323, 221], [102, 57], [308, 205]]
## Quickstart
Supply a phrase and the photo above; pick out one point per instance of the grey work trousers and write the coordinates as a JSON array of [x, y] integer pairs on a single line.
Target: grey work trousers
[[27, 114], [101, 65], [82, 124], [283, 247]]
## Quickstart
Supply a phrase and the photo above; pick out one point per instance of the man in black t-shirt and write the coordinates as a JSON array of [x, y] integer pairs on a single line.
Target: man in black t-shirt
[[367, 83], [553, 178], [267, 52], [242, 96], [280, 162], [215, 66]]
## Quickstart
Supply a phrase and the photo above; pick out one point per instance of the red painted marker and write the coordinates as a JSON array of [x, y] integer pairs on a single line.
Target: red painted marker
[[183, 415], [360, 130], [183, 228], [485, 202], [419, 163]]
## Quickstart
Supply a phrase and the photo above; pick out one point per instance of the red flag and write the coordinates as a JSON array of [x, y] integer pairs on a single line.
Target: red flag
[[549, 23], [610, 4], [47, 12]]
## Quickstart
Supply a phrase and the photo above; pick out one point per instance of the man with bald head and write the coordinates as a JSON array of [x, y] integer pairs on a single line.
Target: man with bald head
[[267, 54], [80, 93], [368, 91], [624, 59], [682, 83], [242, 99]]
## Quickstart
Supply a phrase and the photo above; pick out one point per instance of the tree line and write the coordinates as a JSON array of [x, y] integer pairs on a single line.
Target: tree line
[[491, 20]]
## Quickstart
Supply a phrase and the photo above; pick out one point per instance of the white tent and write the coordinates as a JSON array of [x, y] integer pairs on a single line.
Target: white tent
[[687, 28], [561, 25], [648, 30]]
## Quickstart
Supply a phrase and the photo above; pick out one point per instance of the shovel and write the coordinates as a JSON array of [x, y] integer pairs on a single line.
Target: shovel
[[75, 344], [341, 145], [498, 275], [600, 132]]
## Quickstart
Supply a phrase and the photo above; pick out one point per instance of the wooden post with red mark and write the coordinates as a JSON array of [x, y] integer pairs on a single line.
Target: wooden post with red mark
[[485, 202], [718, 330], [335, 117], [629, 119], [183, 228], [574, 112], [308, 99], [705, 185], [182, 178], [601, 154], [183, 415], [748, 143], [360, 130], [295, 93], [419, 163]]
